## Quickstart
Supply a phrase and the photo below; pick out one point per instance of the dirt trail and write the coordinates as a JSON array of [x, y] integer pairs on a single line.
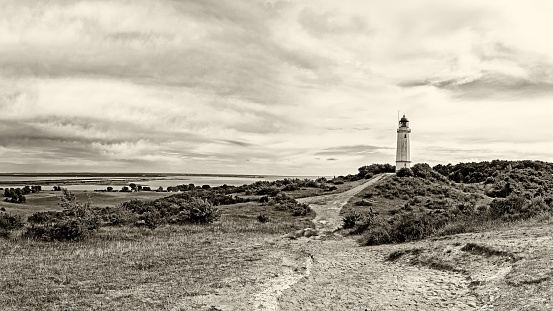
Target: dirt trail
[[345, 276], [328, 207], [326, 221]]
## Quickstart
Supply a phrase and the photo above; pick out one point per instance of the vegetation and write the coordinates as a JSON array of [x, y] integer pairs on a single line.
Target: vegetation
[[124, 265], [196, 205], [76, 221], [8, 223], [421, 202], [368, 171]]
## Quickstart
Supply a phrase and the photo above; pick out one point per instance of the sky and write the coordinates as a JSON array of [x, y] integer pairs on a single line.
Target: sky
[[271, 87]]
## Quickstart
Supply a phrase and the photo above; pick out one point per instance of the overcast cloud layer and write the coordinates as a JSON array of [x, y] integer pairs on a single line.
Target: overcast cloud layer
[[270, 87]]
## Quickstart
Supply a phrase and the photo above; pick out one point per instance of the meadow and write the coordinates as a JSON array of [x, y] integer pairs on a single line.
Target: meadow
[[123, 267]]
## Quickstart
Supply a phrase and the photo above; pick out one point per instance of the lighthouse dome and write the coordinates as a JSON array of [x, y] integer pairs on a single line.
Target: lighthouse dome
[[403, 122]]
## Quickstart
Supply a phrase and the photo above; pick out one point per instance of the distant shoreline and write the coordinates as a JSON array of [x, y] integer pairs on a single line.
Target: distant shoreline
[[129, 175], [48, 179]]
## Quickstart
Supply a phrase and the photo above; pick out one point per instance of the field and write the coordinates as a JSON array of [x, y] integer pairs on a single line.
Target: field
[[136, 268], [49, 200]]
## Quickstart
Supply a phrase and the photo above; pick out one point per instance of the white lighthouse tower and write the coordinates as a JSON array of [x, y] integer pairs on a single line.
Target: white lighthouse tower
[[403, 155]]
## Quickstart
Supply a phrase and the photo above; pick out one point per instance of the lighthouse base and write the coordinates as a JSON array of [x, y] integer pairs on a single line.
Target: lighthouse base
[[402, 164]]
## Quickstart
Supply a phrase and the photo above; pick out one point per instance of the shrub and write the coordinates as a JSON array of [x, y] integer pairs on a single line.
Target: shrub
[[300, 209], [291, 187], [378, 233], [369, 171], [8, 223], [350, 219], [117, 216], [76, 221], [201, 211], [363, 203], [268, 190], [66, 229], [510, 207], [404, 172], [262, 218], [152, 219], [284, 202], [44, 217]]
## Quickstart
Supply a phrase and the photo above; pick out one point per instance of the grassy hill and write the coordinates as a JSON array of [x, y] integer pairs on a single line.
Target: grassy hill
[[424, 202]]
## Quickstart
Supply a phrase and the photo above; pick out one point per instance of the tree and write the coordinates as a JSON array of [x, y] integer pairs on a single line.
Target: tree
[[26, 190], [133, 186], [160, 189], [109, 189]]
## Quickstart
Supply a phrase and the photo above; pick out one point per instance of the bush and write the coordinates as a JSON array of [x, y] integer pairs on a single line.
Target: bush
[[201, 211], [350, 219], [284, 202], [510, 207], [44, 217], [262, 218], [404, 172], [363, 203], [66, 229], [117, 216], [369, 171], [8, 223], [300, 209], [269, 190], [76, 221]]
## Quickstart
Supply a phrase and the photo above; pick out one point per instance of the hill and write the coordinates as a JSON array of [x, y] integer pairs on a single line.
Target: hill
[[424, 202]]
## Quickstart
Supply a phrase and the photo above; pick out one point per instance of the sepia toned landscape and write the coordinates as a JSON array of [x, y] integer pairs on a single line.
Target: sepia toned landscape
[[276, 155], [472, 236]]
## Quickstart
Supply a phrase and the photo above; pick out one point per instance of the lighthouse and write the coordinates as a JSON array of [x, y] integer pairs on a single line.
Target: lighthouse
[[403, 154]]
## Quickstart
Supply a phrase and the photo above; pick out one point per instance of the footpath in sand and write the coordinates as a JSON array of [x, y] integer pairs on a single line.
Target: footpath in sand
[[340, 275]]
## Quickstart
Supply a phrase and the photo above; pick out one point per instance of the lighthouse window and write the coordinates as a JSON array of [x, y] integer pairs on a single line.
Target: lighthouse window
[[405, 136]]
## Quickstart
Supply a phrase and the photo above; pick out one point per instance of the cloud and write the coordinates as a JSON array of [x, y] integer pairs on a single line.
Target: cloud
[[331, 23], [352, 150], [269, 86]]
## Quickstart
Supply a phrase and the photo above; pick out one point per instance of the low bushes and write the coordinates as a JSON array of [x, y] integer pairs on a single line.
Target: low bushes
[[417, 224], [76, 221], [8, 223], [179, 210], [284, 202], [358, 222]]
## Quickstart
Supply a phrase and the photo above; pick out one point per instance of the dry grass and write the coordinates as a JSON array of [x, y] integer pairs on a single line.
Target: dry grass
[[141, 269], [48, 200]]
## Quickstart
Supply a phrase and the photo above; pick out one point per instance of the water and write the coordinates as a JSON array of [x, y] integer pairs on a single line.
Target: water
[[101, 183]]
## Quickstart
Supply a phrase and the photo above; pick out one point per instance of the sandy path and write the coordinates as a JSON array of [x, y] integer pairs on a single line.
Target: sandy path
[[328, 207], [344, 276]]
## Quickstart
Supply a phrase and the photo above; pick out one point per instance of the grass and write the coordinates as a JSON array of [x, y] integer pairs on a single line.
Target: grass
[[129, 268], [49, 200], [487, 251]]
